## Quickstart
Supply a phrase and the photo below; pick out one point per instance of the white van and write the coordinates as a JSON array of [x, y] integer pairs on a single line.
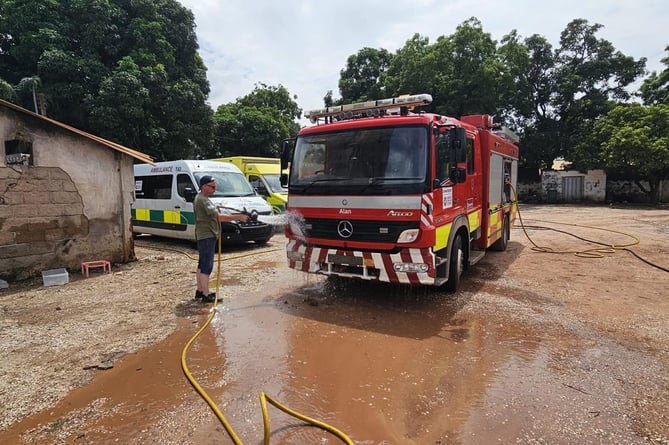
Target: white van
[[164, 194]]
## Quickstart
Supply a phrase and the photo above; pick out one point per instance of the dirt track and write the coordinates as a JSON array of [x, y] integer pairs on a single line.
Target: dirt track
[[535, 347]]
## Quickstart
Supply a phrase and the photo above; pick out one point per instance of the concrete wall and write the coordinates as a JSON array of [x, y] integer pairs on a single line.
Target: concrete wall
[[529, 191], [594, 185], [72, 205], [616, 191], [629, 191]]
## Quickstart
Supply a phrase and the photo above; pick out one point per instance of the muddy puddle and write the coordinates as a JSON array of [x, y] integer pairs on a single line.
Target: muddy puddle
[[383, 364]]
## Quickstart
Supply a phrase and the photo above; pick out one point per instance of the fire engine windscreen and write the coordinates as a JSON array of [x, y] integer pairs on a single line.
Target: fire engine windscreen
[[361, 156]]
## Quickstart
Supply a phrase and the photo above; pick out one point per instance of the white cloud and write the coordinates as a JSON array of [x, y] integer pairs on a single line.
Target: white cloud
[[304, 44]]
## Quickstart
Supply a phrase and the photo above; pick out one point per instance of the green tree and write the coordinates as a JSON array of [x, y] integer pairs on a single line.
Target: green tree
[[632, 138], [361, 79], [120, 105], [655, 89], [7, 91], [407, 73], [517, 95], [550, 97], [328, 100], [461, 71], [84, 50], [590, 75], [255, 124], [29, 85], [469, 73], [528, 86], [28, 28], [265, 97]]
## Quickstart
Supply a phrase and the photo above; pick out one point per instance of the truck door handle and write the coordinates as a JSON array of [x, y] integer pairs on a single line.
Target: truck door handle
[[177, 207]]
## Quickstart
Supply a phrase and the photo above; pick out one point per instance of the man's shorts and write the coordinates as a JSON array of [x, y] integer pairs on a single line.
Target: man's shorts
[[206, 249]]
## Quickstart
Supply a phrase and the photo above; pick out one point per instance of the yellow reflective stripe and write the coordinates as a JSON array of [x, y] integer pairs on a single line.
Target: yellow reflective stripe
[[441, 236], [142, 214], [162, 216], [474, 220], [172, 216], [494, 226]]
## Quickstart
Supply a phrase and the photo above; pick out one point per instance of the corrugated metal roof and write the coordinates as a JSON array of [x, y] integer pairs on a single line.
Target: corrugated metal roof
[[113, 145]]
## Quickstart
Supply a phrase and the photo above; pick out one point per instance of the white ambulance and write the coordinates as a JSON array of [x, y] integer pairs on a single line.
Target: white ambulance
[[164, 194]]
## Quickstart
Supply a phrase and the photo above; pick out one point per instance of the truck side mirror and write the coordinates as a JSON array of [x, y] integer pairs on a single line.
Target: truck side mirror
[[287, 146], [458, 138], [189, 194], [458, 175]]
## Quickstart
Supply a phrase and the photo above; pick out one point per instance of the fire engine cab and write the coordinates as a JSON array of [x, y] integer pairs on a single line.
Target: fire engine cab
[[380, 191]]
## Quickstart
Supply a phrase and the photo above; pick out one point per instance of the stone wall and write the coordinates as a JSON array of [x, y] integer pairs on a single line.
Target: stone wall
[[71, 205], [41, 214]]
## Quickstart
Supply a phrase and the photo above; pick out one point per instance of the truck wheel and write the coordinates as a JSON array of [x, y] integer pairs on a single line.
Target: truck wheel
[[455, 265], [501, 244]]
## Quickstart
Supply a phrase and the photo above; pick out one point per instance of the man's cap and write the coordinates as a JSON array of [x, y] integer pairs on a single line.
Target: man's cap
[[206, 180]]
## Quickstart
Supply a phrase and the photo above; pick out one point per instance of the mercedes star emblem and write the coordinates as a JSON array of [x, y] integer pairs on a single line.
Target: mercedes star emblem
[[345, 229]]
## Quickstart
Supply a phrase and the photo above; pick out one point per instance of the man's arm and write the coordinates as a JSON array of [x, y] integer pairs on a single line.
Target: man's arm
[[227, 217]]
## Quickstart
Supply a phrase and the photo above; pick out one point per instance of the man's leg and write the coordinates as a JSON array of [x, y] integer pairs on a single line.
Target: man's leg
[[206, 249], [202, 282]]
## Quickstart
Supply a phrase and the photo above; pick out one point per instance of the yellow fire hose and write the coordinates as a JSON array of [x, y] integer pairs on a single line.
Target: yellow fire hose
[[595, 252], [263, 397]]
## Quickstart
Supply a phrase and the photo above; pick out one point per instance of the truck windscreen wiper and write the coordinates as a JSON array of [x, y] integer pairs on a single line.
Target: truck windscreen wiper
[[307, 186], [378, 180]]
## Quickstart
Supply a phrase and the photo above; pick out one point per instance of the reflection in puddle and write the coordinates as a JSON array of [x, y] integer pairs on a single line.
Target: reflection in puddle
[[497, 413], [382, 364]]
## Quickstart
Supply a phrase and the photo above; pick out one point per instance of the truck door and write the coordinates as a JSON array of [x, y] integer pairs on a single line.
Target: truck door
[[474, 182]]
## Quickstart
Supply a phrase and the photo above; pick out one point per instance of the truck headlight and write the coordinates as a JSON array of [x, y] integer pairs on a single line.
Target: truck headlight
[[408, 236], [410, 267]]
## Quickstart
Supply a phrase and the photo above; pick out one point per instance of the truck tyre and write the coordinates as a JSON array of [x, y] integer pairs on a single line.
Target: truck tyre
[[501, 244], [455, 265]]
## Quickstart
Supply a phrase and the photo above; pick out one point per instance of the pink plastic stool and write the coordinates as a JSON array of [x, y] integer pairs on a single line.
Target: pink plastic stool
[[106, 266]]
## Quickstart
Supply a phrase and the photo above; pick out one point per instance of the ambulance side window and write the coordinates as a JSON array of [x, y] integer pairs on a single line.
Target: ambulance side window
[[258, 185], [184, 182], [154, 187]]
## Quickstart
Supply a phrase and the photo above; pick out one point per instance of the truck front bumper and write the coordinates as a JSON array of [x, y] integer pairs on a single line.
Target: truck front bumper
[[257, 231]]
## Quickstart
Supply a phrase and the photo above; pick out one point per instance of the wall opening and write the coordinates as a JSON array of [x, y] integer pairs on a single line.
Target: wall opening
[[18, 152]]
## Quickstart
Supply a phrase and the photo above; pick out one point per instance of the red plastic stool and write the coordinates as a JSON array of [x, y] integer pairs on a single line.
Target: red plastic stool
[[106, 266]]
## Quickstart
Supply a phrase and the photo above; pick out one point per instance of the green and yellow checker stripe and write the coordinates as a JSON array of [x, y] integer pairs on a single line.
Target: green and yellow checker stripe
[[163, 219]]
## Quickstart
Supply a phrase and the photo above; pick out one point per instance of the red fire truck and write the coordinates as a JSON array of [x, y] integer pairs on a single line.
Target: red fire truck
[[380, 191]]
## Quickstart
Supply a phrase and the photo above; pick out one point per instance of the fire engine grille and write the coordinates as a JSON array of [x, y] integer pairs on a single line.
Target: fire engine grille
[[247, 231], [370, 231]]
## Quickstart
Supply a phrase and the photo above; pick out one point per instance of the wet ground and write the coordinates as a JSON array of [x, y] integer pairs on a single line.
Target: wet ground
[[535, 348]]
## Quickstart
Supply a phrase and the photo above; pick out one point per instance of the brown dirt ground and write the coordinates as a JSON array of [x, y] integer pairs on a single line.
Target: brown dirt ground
[[57, 341]]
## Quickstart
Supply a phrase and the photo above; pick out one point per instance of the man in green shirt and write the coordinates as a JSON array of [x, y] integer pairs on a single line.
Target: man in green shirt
[[207, 231]]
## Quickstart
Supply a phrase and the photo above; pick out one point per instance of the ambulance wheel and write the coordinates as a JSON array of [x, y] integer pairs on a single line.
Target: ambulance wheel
[[455, 265], [501, 244]]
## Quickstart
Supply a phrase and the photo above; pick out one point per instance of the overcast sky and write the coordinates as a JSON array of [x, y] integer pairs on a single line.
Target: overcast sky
[[303, 44]]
